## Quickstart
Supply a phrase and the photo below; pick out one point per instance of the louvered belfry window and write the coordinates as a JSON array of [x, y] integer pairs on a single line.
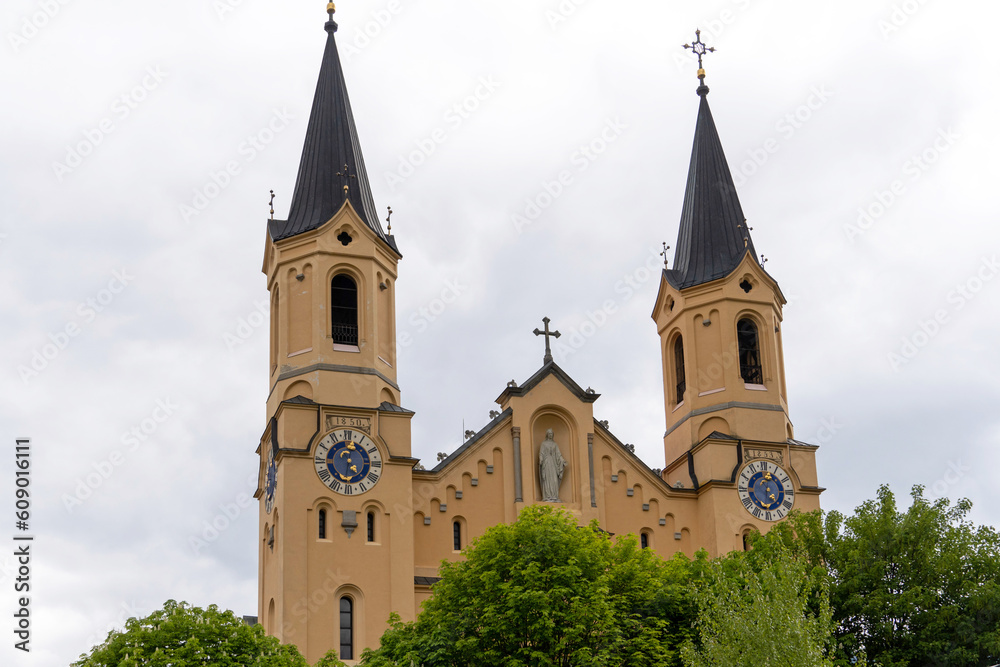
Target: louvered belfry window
[[749, 344], [679, 368], [344, 310]]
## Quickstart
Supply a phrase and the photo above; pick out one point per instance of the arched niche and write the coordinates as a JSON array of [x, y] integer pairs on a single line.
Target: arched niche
[[298, 388], [565, 434]]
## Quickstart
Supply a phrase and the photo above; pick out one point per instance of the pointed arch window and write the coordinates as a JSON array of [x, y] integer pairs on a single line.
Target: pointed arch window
[[322, 524], [749, 344], [344, 310], [346, 628], [679, 369]]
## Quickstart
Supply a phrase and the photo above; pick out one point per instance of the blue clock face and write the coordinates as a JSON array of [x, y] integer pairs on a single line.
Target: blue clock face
[[766, 490], [271, 483], [348, 462]]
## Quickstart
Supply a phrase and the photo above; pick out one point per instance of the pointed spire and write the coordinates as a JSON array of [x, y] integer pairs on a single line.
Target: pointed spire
[[713, 237], [332, 169]]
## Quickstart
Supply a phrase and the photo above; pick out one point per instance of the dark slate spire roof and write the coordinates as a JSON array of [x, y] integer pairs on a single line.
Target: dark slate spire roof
[[331, 142], [710, 241]]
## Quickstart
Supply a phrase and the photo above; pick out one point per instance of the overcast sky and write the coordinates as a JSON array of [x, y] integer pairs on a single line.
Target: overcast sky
[[130, 258]]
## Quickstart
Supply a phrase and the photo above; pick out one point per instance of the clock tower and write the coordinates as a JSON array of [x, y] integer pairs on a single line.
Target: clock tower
[[719, 317], [335, 452]]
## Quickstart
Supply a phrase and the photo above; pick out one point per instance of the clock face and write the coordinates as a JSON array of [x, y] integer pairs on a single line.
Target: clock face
[[271, 481], [348, 462], [766, 490]]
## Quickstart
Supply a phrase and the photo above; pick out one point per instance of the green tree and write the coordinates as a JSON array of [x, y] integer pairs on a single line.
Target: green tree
[[544, 592], [916, 588], [180, 635], [755, 611]]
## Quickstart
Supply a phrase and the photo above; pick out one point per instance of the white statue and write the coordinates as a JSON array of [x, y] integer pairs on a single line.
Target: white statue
[[551, 466]]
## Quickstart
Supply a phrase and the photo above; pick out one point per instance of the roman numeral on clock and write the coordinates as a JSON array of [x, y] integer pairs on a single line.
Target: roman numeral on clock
[[373, 477], [321, 459], [747, 503], [361, 486], [325, 475], [787, 504], [376, 464]]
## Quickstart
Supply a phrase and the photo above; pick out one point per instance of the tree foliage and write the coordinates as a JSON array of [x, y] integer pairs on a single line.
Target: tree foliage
[[180, 635], [756, 609], [547, 592], [914, 588]]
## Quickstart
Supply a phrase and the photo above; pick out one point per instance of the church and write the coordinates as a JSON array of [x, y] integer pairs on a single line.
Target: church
[[352, 527]]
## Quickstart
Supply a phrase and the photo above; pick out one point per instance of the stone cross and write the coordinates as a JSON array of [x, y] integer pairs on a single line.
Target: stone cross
[[548, 334]]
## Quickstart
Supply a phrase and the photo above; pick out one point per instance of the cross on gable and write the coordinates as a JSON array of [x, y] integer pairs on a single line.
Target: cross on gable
[[548, 334]]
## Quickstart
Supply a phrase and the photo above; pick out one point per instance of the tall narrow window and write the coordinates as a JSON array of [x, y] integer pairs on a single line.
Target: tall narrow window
[[322, 524], [346, 628], [456, 529], [344, 310], [749, 343], [371, 526], [679, 368]]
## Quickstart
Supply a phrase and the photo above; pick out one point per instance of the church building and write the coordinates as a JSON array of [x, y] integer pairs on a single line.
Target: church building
[[352, 528]]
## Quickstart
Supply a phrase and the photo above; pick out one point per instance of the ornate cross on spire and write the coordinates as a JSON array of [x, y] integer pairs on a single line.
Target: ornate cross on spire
[[666, 264], [272, 204], [700, 49], [548, 334], [345, 176]]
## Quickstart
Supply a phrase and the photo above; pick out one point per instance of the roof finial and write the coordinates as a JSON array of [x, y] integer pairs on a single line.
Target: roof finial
[[331, 25], [388, 220], [272, 204], [666, 263], [700, 49]]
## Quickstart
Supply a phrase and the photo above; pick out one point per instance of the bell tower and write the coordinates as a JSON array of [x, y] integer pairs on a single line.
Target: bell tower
[[718, 312], [335, 466]]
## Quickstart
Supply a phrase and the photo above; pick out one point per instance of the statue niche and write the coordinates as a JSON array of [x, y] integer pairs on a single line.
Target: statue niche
[[551, 466]]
